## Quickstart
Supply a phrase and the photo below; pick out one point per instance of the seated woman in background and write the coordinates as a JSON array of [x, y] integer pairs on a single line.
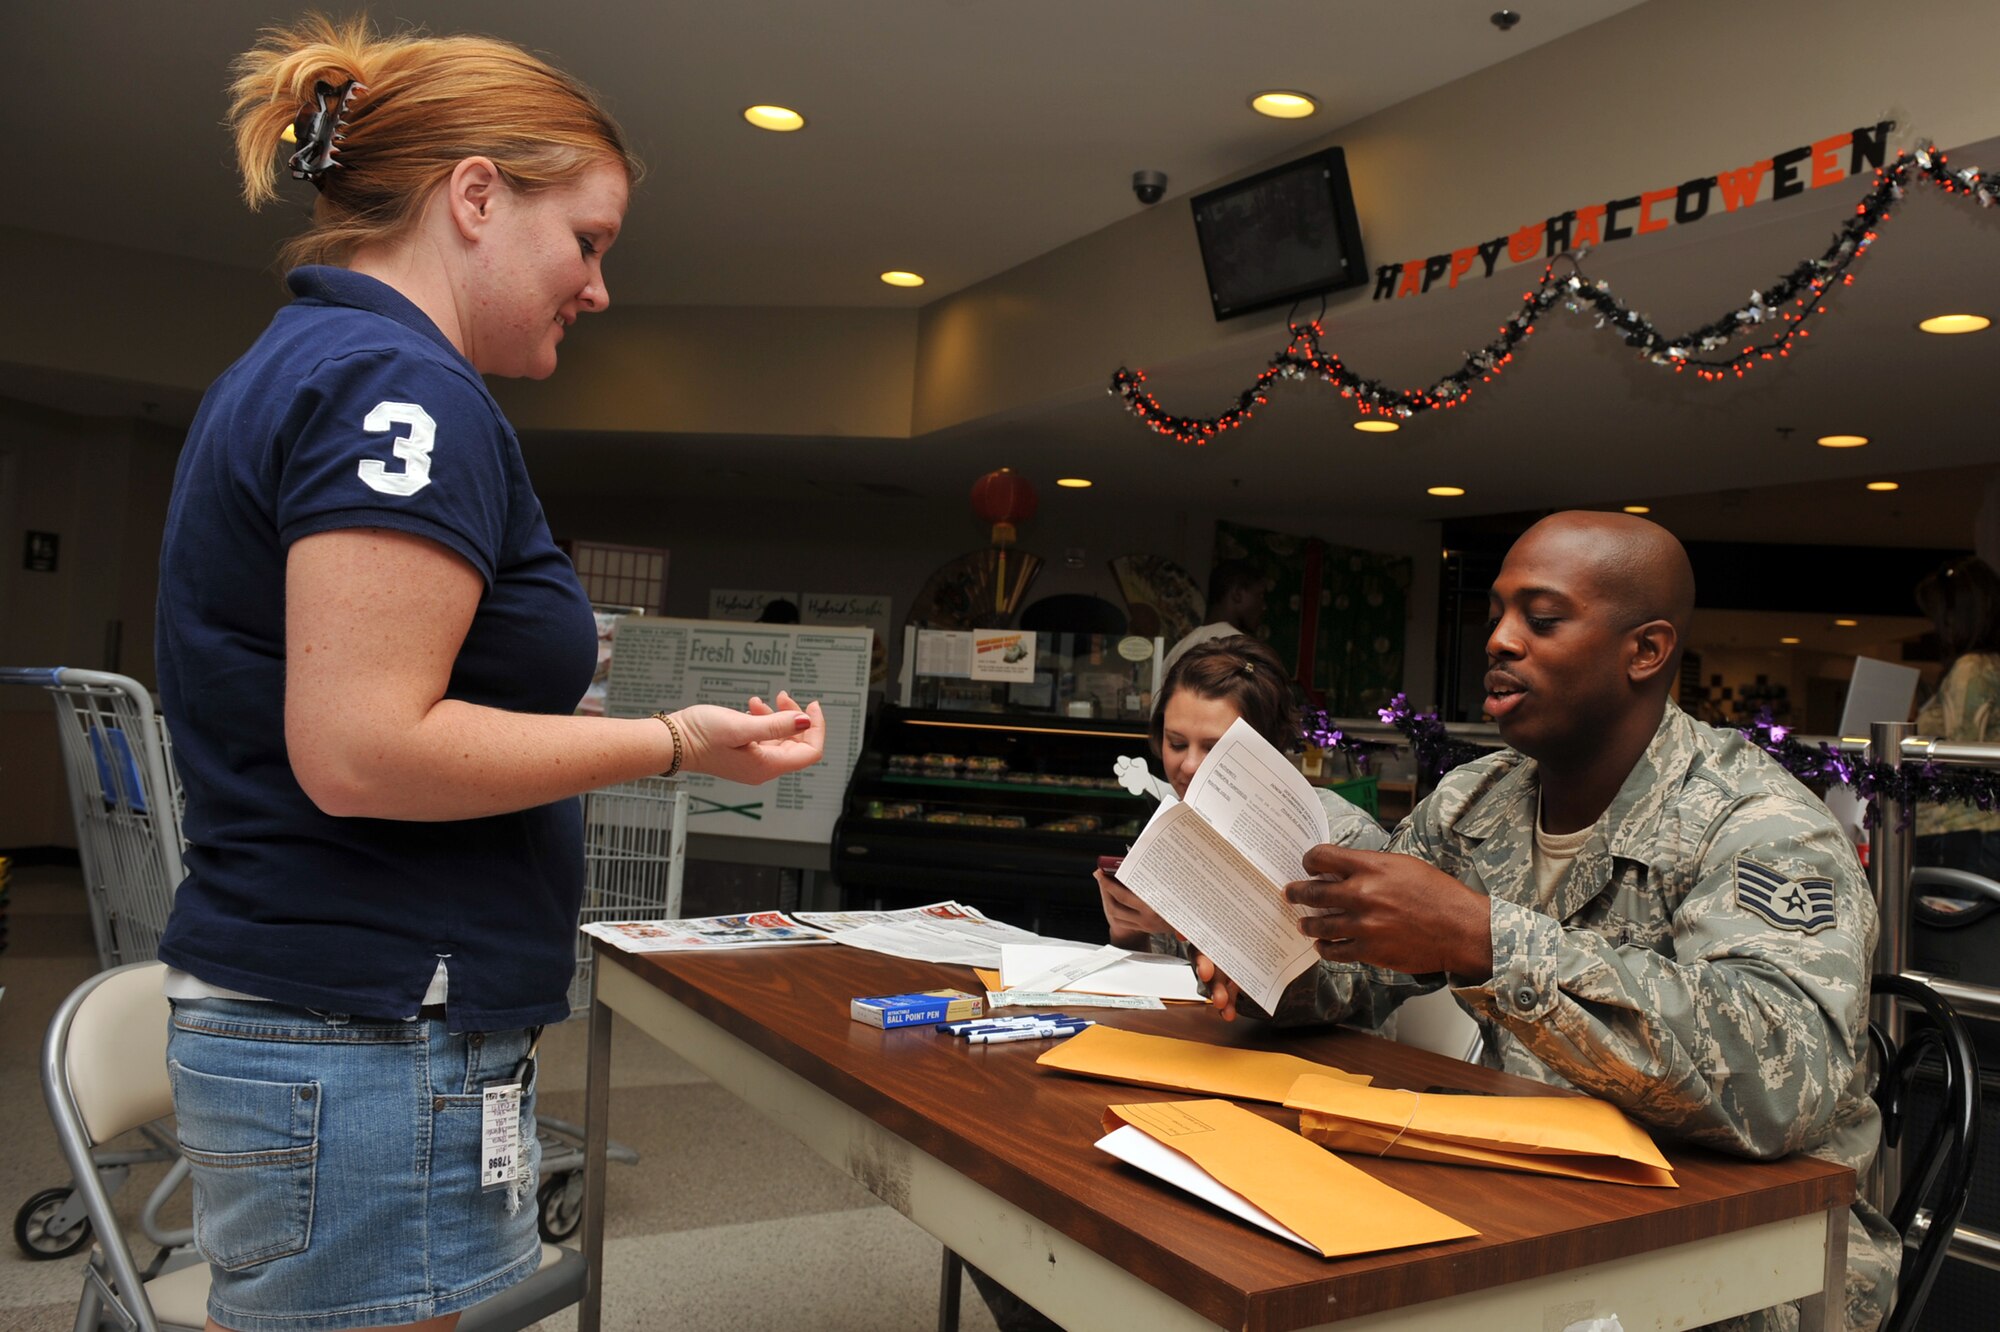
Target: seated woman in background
[[1963, 601], [1207, 688]]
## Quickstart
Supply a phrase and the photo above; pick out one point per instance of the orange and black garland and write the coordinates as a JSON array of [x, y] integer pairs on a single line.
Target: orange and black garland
[[1732, 345]]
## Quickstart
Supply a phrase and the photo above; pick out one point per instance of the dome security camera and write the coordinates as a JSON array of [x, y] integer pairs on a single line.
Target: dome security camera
[[1504, 19], [1150, 186]]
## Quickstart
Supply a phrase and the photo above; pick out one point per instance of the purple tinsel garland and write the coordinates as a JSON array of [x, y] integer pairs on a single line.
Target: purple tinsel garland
[[1819, 765], [1872, 779]]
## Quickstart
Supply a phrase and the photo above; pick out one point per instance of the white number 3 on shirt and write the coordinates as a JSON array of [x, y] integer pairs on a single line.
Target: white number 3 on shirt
[[414, 448]]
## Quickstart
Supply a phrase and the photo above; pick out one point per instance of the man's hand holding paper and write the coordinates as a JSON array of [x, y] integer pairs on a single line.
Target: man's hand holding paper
[[1382, 909], [1393, 911]]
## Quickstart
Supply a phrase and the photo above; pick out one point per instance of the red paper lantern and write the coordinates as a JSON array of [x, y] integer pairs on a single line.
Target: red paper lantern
[[1003, 498]]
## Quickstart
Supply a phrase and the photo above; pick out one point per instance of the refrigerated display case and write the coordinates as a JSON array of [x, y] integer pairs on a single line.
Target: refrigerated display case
[[1007, 812]]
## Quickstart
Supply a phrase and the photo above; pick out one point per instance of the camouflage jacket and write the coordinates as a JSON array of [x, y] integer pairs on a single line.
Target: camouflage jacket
[[1703, 965]]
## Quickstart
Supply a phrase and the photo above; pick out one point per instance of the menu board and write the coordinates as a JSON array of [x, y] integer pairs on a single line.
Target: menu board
[[660, 664]]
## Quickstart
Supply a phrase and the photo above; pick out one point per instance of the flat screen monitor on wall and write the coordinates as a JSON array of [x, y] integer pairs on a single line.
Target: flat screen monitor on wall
[[1280, 235]]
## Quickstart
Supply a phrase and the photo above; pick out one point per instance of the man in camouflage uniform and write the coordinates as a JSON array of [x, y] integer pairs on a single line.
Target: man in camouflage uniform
[[1627, 901]]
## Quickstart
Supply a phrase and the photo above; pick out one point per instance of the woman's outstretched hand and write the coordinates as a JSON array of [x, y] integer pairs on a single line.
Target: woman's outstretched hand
[[754, 746]]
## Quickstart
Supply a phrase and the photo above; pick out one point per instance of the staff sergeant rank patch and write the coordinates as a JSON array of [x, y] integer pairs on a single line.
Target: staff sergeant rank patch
[[1804, 905]]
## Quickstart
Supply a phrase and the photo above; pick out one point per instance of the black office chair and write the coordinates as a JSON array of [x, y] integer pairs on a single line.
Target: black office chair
[[1937, 1173]]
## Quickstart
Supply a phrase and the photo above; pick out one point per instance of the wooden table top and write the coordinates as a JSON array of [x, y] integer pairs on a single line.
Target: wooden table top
[[1026, 1133]]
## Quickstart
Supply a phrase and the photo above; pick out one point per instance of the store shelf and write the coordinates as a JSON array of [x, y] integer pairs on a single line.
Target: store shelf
[[1020, 788]]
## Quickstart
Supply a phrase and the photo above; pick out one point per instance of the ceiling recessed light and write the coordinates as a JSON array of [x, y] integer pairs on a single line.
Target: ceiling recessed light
[[1283, 105], [1960, 323], [1448, 492], [1842, 441], [1375, 427], [1789, 639], [896, 277], [1073, 483], [1638, 508], [1884, 485], [1847, 624], [781, 119]]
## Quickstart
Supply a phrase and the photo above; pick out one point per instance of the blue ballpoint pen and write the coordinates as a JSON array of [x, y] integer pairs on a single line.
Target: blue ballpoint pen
[[1027, 1034], [960, 1028]]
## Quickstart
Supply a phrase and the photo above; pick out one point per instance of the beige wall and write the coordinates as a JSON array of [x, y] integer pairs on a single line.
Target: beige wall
[[887, 546], [101, 485], [1651, 96], [706, 370]]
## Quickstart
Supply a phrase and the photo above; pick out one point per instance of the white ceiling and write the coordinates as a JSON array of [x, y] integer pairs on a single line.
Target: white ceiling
[[960, 140], [954, 139]]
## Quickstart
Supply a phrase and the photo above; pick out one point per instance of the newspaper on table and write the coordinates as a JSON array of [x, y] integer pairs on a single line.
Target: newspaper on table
[[834, 922], [706, 934], [1215, 865], [942, 932]]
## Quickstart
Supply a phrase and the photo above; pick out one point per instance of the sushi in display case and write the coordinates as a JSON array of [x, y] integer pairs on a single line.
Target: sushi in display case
[[1006, 812]]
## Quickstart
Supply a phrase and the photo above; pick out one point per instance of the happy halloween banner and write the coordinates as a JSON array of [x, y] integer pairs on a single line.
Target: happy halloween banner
[[1791, 172]]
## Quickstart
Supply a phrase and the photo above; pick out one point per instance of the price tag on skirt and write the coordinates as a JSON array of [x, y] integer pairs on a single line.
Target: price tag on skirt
[[500, 1136]]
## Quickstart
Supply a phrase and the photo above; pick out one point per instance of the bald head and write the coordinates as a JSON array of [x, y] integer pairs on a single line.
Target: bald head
[[1638, 568], [1589, 614]]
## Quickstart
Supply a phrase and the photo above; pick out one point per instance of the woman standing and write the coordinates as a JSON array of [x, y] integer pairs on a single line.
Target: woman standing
[[371, 650]]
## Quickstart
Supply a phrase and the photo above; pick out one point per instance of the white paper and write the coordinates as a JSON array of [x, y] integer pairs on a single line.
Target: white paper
[[1003, 655], [870, 610], [1060, 969], [1215, 865], [1068, 999], [1137, 1148], [944, 652], [1159, 977], [757, 929], [663, 664], [972, 941], [1251, 794], [835, 921]]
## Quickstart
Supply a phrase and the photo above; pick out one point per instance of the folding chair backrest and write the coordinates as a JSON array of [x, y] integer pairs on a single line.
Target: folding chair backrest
[[114, 1052]]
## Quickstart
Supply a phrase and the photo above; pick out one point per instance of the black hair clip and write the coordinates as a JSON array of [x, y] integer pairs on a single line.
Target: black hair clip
[[318, 130]]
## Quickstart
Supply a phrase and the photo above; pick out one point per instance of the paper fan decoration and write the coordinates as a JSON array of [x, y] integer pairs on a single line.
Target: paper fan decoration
[[1162, 598], [982, 589]]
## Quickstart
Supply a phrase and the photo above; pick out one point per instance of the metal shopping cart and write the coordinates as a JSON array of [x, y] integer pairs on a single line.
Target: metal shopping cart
[[634, 849], [118, 762], [126, 801], [118, 758]]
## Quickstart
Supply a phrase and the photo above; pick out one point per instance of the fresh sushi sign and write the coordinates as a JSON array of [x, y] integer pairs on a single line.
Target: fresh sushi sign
[[1780, 176]]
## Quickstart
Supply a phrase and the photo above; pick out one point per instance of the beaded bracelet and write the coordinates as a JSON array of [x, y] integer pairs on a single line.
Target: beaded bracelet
[[673, 729]]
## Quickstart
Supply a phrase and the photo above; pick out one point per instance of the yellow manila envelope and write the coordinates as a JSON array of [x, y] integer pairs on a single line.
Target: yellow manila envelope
[[1573, 1136], [1177, 1065], [1316, 1199]]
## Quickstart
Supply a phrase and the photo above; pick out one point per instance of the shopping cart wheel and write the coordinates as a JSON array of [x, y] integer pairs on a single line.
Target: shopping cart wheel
[[561, 1202], [32, 1222]]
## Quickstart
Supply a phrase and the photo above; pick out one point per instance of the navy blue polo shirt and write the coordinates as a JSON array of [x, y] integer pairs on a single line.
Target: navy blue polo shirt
[[353, 410]]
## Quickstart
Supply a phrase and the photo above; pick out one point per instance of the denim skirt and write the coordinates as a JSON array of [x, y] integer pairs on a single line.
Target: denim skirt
[[336, 1165]]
